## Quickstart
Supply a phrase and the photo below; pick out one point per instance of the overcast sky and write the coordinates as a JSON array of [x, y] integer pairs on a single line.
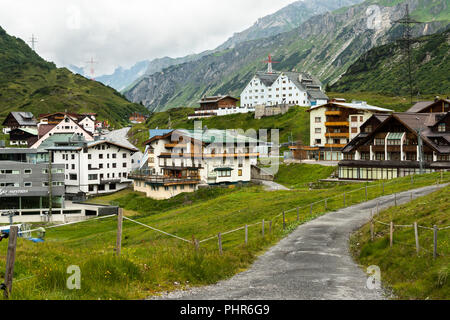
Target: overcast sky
[[122, 32]]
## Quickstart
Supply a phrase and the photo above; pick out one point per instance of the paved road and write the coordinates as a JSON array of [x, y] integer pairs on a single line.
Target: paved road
[[312, 263]]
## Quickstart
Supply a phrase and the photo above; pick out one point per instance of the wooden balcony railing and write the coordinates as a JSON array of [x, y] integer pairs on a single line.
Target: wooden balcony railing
[[337, 135], [337, 124], [333, 113], [337, 146]]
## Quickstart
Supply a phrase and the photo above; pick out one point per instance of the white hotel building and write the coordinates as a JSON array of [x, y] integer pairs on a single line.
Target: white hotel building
[[290, 88], [94, 167]]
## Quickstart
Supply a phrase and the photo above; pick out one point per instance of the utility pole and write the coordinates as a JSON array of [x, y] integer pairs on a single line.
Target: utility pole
[[407, 23], [420, 145], [33, 41], [92, 70]]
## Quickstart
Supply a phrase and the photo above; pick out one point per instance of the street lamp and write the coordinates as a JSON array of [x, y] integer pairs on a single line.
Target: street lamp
[[420, 145]]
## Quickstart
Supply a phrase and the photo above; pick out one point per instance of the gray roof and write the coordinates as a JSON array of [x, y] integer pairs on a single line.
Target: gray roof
[[301, 80], [419, 106], [267, 78], [24, 118]]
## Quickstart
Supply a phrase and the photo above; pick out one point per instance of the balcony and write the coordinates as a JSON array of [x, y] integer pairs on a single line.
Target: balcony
[[164, 180], [109, 181], [333, 113], [335, 146], [175, 145], [337, 124], [337, 135]]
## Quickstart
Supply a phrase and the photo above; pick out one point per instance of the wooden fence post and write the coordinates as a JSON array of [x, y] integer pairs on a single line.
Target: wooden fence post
[[395, 199], [366, 194], [298, 214], [246, 234], [10, 260], [372, 228], [411, 196], [391, 234], [344, 200], [263, 228], [412, 179], [383, 188], [119, 231], [326, 205], [435, 234], [416, 235], [284, 221], [220, 243], [378, 207]]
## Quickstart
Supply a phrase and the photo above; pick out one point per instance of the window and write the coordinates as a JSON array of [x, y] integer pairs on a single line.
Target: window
[[73, 157], [4, 171], [354, 130], [114, 165], [368, 129], [114, 156], [112, 186], [225, 173], [100, 156], [124, 165], [379, 142], [93, 177], [90, 156], [318, 119], [28, 171], [240, 172], [361, 118], [73, 167], [124, 155], [318, 130], [28, 184], [354, 119], [318, 141], [441, 127], [73, 176]]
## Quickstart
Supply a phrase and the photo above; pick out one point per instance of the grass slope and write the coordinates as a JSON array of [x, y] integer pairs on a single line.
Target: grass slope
[[151, 262], [29, 83], [296, 176], [384, 69], [411, 276]]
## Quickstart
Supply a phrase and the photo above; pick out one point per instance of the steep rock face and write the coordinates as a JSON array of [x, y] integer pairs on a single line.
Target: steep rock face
[[325, 45], [286, 19]]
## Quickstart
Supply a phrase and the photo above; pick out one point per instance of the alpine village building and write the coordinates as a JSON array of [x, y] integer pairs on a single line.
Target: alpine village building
[[178, 161], [216, 106], [400, 144], [332, 126]]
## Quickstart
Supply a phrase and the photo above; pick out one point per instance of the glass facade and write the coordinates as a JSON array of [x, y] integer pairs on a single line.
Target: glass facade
[[352, 173]]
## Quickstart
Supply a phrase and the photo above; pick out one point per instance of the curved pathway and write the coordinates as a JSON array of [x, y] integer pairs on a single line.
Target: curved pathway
[[313, 262]]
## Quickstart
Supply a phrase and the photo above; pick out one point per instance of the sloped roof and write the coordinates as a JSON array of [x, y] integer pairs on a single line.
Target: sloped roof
[[358, 106], [43, 129], [267, 78], [420, 106], [213, 99], [24, 118]]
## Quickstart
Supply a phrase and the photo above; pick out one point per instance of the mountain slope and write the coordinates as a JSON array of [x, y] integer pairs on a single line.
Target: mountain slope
[[325, 45], [381, 69], [29, 83], [286, 19], [283, 20]]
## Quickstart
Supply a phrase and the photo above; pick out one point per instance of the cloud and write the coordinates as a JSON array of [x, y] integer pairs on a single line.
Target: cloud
[[122, 32]]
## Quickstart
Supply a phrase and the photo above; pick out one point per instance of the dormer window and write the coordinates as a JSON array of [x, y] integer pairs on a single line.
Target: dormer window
[[442, 127]]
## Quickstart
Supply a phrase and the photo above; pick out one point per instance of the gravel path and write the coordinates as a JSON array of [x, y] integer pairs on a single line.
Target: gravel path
[[312, 263]]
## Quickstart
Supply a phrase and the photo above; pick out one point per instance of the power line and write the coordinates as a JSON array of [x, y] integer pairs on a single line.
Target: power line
[[33, 41], [407, 22]]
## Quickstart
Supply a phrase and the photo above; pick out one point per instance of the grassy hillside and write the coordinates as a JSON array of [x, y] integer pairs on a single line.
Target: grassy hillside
[[411, 276], [151, 262], [29, 83], [296, 121], [384, 69], [296, 176]]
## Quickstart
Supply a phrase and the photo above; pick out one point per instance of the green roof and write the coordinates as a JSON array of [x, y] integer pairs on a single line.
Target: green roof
[[53, 139], [219, 136], [395, 135]]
